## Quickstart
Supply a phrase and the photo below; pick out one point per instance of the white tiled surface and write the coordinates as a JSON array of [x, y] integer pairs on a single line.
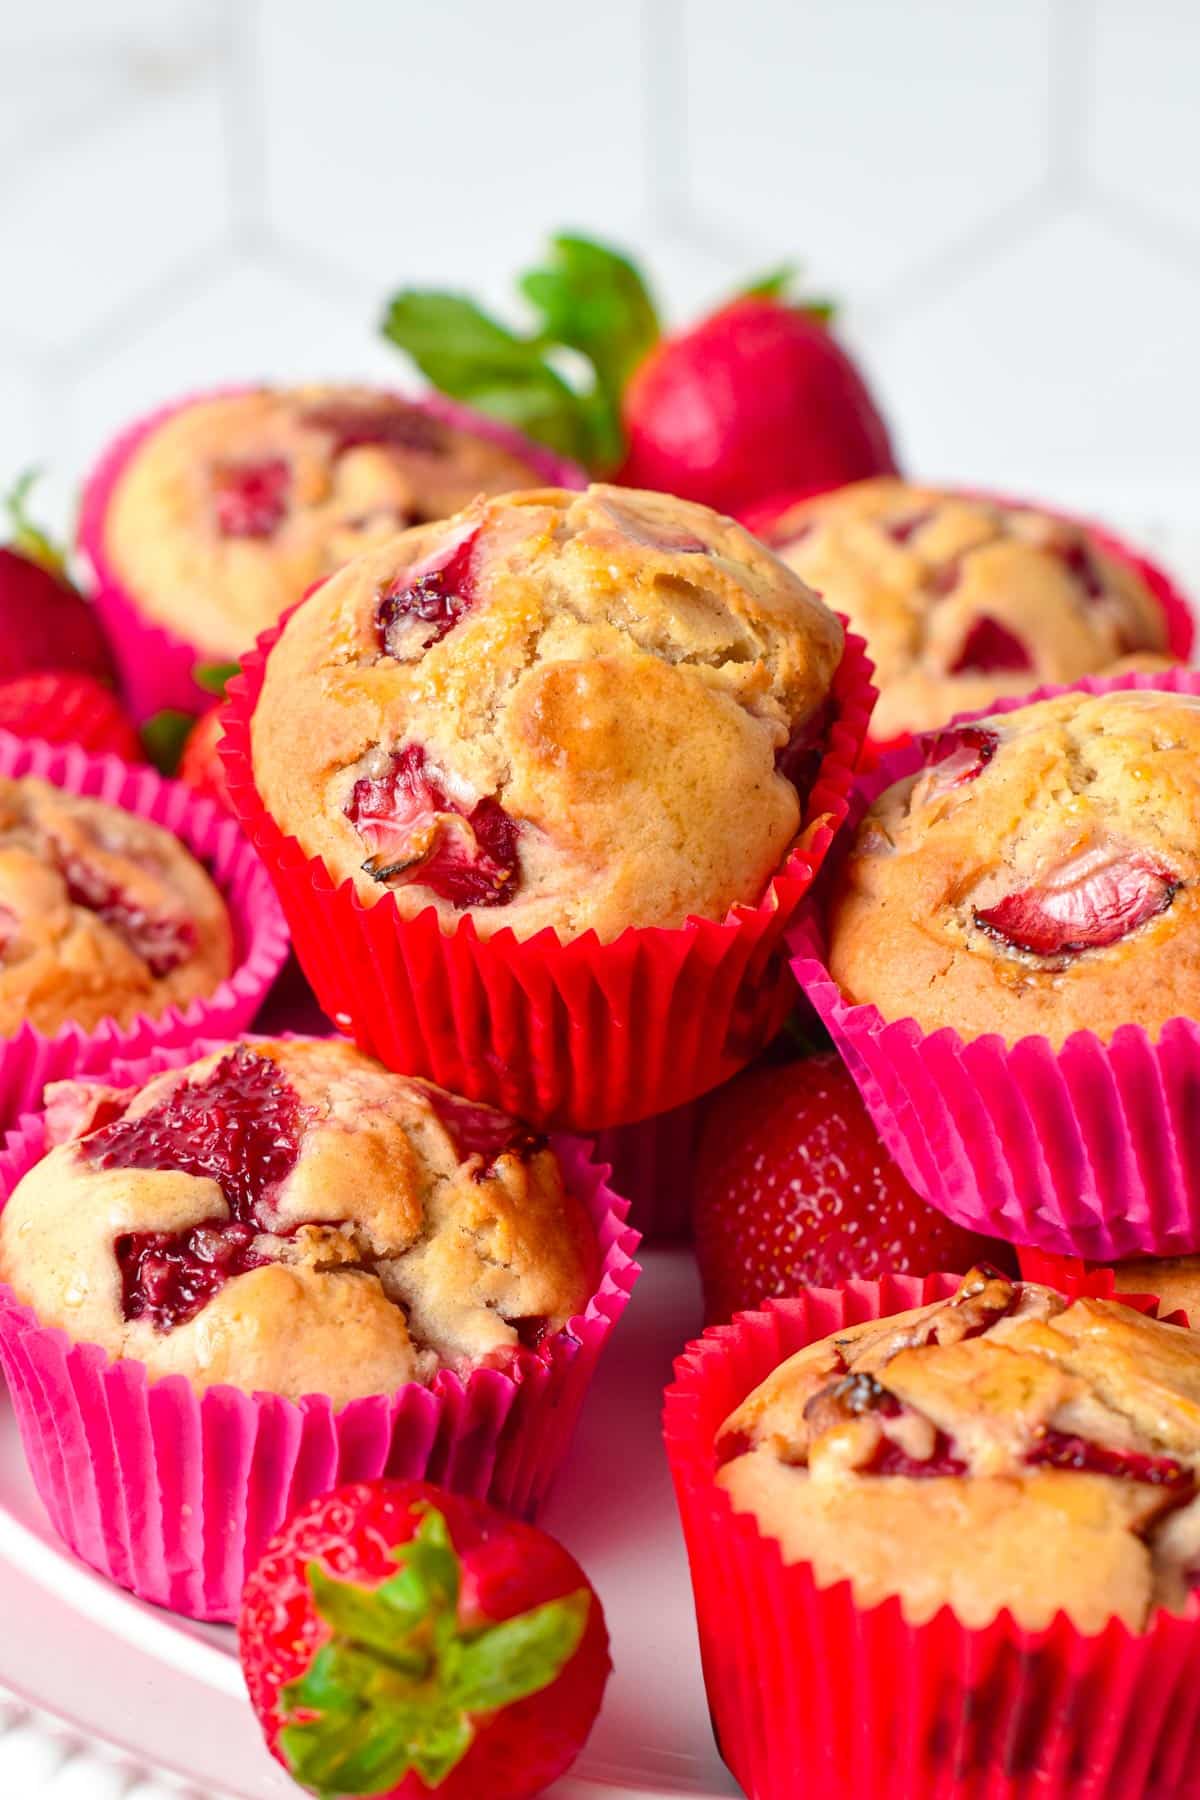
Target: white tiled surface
[[1006, 196]]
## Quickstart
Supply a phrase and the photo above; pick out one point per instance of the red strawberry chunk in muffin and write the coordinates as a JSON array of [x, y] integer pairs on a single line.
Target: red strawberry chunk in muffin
[[960, 755], [162, 942], [483, 1130], [415, 832], [435, 596], [251, 498], [385, 421], [990, 647], [241, 1128], [1092, 899]]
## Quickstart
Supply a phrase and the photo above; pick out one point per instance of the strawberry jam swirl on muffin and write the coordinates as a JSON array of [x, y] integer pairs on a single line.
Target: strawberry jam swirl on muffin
[[1002, 1448], [963, 601], [1039, 875], [581, 711], [103, 915], [287, 1215], [233, 506]]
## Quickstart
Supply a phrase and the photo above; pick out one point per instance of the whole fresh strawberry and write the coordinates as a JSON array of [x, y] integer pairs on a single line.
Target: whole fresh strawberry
[[756, 400], [794, 1189], [400, 1641], [62, 707], [45, 623]]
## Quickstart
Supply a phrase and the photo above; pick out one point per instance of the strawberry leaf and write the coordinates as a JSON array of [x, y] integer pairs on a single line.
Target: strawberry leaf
[[28, 539], [775, 284], [475, 359], [518, 1657], [163, 737], [399, 1685], [214, 678]]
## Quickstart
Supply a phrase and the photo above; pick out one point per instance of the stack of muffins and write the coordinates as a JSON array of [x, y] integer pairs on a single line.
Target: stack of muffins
[[556, 788]]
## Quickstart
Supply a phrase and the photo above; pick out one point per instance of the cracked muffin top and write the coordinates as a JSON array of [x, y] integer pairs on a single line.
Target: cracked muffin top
[[288, 1216], [1039, 875], [964, 601], [232, 507], [1001, 1448], [571, 710], [103, 914]]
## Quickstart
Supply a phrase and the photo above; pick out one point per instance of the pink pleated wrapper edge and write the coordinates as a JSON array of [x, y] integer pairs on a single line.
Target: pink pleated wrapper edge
[[813, 1695], [174, 1495], [32, 1058], [1091, 1150], [652, 1165], [157, 664], [581, 1035]]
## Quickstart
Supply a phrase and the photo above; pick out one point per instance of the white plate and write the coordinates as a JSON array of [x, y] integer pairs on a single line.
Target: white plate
[[97, 1672]]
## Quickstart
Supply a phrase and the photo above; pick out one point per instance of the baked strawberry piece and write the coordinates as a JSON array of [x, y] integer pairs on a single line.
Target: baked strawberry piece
[[1037, 876], [1002, 1448], [287, 1216], [400, 1641], [794, 1189], [963, 599]]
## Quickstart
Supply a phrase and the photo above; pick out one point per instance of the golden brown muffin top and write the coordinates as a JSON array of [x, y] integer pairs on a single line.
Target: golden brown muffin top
[[232, 507], [1040, 875], [573, 710], [287, 1215], [103, 914], [962, 600], [1001, 1448]]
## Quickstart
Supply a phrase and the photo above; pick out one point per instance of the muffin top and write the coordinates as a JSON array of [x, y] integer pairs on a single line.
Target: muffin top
[[963, 601], [556, 709], [232, 507], [1040, 874], [103, 914], [288, 1216], [1001, 1448]]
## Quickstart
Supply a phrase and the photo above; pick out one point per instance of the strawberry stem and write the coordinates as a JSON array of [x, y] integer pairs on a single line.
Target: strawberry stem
[[28, 539]]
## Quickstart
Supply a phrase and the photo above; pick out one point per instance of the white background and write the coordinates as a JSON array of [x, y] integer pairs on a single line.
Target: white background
[[1005, 196]]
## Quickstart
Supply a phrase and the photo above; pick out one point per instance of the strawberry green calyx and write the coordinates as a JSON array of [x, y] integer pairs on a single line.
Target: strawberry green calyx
[[163, 736], [28, 539], [214, 678], [779, 284], [402, 1684], [591, 303]]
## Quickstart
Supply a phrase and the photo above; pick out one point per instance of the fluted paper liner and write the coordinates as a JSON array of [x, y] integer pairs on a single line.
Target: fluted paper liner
[[812, 1695], [32, 1058], [581, 1034], [174, 1495], [157, 663], [652, 1164], [1089, 1150]]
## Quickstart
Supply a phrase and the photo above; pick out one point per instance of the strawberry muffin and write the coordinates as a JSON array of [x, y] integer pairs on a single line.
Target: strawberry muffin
[[998, 1449], [103, 914], [287, 1216], [231, 507], [964, 600], [583, 711], [1040, 874]]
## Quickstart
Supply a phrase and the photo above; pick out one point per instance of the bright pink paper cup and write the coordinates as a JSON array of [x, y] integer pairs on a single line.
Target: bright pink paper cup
[[580, 1035], [32, 1058], [157, 664], [174, 1495], [814, 1695], [1090, 1150], [652, 1165]]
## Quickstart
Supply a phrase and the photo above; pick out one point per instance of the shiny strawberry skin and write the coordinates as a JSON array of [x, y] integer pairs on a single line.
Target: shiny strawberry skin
[[45, 623], [62, 707], [795, 1189], [200, 765], [507, 1568], [758, 399]]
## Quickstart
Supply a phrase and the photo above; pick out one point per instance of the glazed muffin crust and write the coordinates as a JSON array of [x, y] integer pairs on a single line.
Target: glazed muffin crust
[[287, 1215], [1003, 1448], [556, 709], [103, 914], [963, 600]]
